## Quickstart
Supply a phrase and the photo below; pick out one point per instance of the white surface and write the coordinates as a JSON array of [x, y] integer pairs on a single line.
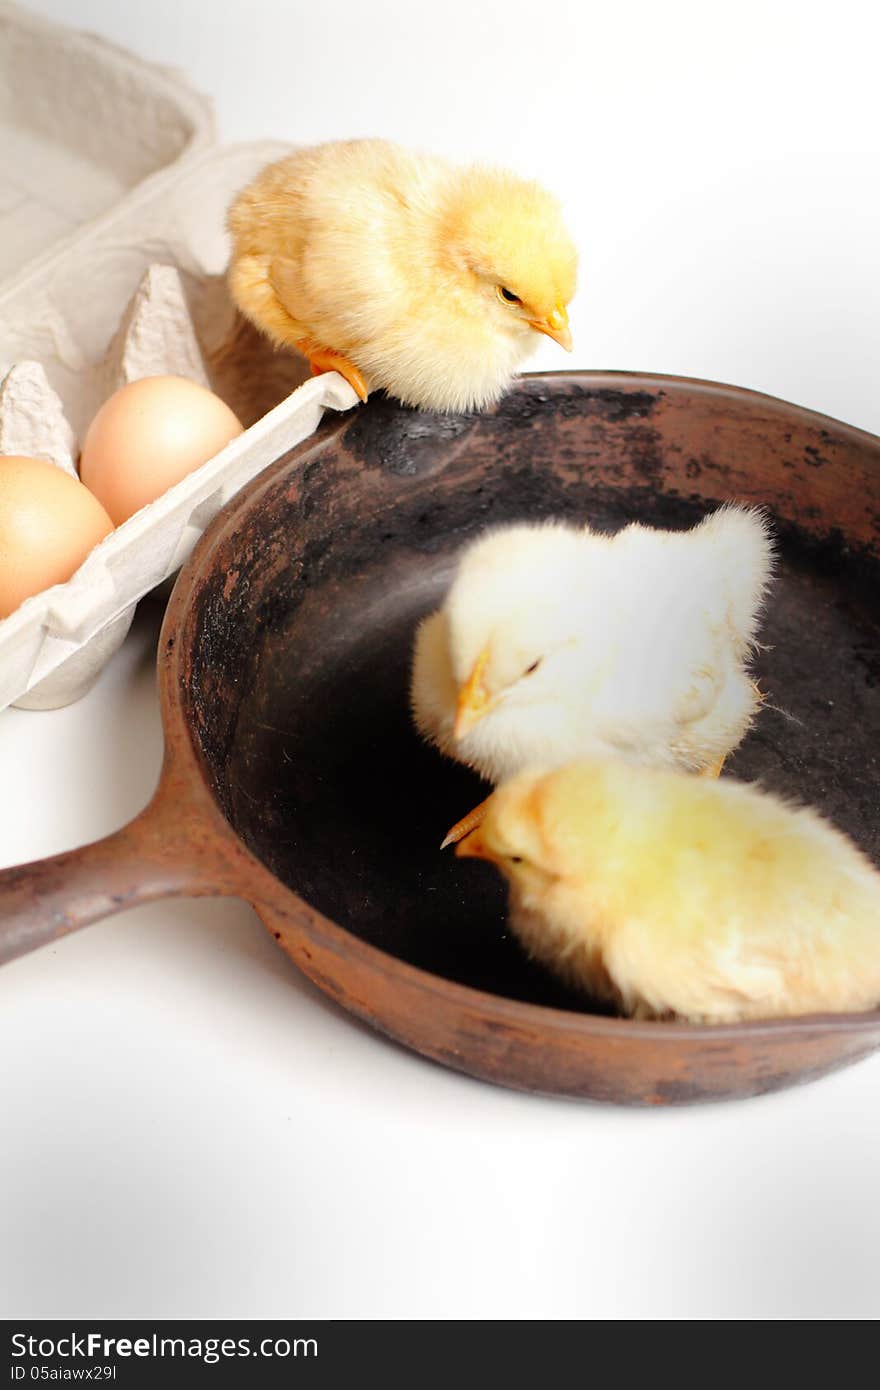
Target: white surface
[[189, 1129]]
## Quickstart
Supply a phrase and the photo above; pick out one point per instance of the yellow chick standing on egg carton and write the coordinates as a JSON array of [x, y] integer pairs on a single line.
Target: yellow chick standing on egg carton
[[402, 271]]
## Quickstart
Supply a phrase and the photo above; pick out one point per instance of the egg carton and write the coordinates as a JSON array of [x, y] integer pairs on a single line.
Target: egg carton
[[82, 125], [135, 289]]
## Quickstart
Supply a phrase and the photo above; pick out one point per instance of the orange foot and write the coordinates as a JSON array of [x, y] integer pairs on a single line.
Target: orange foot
[[325, 360], [714, 769], [466, 824]]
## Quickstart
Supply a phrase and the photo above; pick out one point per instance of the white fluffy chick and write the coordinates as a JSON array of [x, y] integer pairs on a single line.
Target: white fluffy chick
[[555, 642], [664, 894]]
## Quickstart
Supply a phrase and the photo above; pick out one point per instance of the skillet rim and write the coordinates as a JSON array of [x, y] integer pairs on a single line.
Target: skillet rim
[[258, 884]]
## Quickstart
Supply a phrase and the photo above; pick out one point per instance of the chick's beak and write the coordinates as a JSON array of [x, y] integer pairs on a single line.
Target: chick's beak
[[473, 699], [473, 846], [555, 325]]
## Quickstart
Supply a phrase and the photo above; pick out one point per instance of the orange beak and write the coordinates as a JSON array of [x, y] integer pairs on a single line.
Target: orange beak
[[473, 846], [555, 325], [473, 699]]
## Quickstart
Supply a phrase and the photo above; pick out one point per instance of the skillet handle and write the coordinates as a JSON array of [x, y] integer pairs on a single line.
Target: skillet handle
[[164, 852]]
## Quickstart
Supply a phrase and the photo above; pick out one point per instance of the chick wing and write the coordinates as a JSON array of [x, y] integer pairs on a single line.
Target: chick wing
[[685, 606]]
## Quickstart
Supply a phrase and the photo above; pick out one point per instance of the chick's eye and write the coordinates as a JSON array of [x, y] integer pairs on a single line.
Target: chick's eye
[[531, 669], [515, 858], [509, 295]]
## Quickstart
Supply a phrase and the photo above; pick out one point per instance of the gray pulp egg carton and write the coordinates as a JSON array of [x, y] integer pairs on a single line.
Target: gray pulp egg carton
[[112, 251]]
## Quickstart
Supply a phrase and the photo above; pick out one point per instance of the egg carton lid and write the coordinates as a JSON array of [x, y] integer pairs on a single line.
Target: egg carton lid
[[63, 308], [82, 125]]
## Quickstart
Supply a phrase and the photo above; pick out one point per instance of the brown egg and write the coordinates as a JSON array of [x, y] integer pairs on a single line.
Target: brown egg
[[48, 524], [148, 436]]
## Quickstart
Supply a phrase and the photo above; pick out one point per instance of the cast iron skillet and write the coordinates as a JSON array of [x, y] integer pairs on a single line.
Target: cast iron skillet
[[293, 778]]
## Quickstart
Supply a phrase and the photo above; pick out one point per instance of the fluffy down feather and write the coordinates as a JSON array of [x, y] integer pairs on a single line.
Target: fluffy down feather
[[663, 893], [395, 263], [633, 645]]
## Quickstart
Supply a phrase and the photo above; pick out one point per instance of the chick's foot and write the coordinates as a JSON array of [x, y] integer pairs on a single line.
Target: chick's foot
[[466, 824], [714, 769], [325, 360]]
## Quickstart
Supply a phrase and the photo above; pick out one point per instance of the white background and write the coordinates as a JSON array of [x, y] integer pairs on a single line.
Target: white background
[[188, 1128]]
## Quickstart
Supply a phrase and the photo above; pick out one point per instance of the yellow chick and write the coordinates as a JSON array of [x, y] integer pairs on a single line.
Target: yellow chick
[[401, 270], [668, 894], [555, 642]]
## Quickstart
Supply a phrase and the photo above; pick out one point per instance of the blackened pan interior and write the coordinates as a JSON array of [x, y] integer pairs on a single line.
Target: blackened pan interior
[[302, 632]]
